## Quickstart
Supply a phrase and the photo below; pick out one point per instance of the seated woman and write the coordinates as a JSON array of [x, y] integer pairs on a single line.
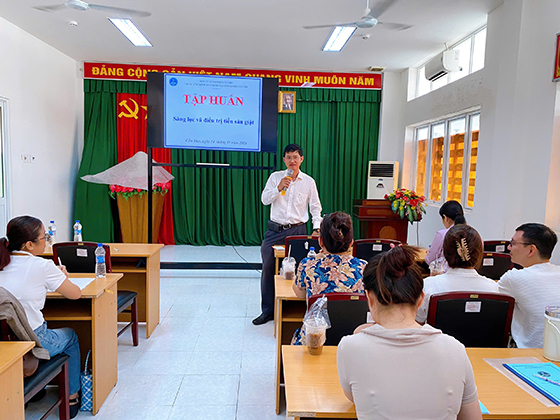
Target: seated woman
[[334, 270], [451, 214], [397, 368], [29, 278], [463, 249]]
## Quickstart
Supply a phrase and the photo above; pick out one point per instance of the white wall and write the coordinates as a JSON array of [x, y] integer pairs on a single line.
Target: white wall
[[517, 100], [45, 96]]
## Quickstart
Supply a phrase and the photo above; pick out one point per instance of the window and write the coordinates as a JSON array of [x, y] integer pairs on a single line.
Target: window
[[448, 171], [471, 59]]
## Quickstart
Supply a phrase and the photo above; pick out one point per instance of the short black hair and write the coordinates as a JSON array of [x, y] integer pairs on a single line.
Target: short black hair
[[541, 236], [293, 148]]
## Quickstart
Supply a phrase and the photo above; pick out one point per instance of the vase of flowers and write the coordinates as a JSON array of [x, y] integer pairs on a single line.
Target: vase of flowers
[[133, 208], [407, 204]]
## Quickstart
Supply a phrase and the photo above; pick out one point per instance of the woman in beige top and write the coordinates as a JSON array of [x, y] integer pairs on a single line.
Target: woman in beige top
[[397, 368]]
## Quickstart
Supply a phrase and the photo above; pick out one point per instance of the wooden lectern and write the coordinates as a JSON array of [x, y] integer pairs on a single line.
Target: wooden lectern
[[378, 220]]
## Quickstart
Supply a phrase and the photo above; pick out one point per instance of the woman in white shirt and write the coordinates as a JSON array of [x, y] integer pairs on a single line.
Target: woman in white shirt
[[29, 278], [451, 213], [397, 368], [463, 250]]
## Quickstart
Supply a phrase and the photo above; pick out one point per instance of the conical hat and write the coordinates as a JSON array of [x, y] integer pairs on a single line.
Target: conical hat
[[132, 173]]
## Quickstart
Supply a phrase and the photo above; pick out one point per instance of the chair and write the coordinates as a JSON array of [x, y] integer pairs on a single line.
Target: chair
[[346, 312], [298, 246], [497, 246], [54, 369], [475, 319], [494, 265], [366, 249], [79, 257]]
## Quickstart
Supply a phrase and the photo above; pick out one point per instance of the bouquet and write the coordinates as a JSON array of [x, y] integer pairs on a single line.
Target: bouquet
[[126, 192], [407, 204]]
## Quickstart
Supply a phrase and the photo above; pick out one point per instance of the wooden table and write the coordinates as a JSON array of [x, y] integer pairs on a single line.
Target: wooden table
[[313, 389], [288, 316], [140, 264], [94, 318], [11, 378]]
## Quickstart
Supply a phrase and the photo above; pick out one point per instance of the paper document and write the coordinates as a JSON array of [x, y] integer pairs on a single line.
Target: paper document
[[544, 377], [82, 282], [278, 247]]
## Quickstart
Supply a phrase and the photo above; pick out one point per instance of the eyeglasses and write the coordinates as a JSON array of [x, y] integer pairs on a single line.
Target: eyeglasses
[[47, 238], [513, 243]]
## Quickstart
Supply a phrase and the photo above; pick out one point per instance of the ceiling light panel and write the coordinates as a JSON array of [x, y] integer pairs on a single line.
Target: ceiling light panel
[[339, 37], [131, 31]]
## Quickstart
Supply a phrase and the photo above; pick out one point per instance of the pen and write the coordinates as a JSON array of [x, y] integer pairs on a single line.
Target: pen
[[59, 262], [546, 379]]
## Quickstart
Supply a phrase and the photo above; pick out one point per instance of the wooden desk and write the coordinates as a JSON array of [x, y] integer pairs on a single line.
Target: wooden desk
[[94, 318], [289, 312], [140, 264], [11, 378], [313, 389]]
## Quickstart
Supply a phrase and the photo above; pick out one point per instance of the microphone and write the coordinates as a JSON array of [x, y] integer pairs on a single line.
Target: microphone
[[289, 175]]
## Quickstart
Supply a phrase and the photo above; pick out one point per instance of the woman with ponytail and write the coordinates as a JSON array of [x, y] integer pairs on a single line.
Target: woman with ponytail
[[463, 250], [29, 278], [451, 214], [397, 368], [334, 270]]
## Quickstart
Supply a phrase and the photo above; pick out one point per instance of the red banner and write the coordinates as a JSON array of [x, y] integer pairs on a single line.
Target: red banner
[[115, 71], [131, 138], [556, 76]]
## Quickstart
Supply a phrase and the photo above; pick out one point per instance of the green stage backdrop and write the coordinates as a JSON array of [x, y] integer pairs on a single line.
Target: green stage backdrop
[[337, 129]]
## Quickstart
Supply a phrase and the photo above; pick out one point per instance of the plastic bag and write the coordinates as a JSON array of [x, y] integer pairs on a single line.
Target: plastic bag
[[315, 323]]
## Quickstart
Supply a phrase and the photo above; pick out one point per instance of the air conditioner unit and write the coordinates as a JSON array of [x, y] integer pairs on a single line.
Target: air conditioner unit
[[383, 178], [441, 64]]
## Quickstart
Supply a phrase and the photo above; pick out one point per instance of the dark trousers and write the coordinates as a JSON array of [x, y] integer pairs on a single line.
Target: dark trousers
[[268, 263]]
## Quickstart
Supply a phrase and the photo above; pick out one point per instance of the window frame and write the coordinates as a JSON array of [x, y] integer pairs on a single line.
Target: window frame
[[467, 143]]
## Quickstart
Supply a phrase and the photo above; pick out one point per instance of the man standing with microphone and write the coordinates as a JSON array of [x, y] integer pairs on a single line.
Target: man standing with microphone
[[290, 193]]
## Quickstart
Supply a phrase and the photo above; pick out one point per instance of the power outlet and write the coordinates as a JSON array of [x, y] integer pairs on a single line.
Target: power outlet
[[27, 158]]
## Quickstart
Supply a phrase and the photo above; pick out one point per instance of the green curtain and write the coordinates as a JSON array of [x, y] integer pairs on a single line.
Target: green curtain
[[338, 131], [93, 206]]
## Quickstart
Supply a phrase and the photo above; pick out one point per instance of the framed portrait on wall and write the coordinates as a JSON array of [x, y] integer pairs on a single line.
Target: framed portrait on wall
[[287, 102]]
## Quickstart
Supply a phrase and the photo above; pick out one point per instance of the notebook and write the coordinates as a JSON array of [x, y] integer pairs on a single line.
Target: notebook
[[544, 377]]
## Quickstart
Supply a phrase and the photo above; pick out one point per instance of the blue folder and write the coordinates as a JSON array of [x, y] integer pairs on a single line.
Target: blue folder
[[527, 372]]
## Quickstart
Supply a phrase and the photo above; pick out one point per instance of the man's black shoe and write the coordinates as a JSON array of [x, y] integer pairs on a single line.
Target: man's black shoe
[[262, 319]]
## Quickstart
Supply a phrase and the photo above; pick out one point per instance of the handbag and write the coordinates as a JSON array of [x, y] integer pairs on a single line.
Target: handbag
[[86, 382]]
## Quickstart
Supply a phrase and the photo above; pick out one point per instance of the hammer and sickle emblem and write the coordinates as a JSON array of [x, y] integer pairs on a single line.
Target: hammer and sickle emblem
[[131, 113]]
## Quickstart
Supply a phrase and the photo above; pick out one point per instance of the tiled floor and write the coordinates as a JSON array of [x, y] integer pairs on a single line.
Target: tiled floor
[[205, 360]]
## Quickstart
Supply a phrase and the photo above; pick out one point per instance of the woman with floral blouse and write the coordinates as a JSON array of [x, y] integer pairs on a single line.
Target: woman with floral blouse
[[334, 270]]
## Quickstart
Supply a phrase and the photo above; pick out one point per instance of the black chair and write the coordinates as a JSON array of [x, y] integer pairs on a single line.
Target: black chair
[[475, 319], [79, 257], [497, 246], [346, 312], [54, 369], [366, 249], [494, 265], [298, 246]]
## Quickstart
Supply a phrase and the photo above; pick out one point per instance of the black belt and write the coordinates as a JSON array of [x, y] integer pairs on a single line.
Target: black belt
[[277, 227]]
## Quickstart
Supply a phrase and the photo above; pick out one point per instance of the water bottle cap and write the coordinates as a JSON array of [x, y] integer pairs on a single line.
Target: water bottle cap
[[77, 221], [312, 248], [52, 221], [99, 244]]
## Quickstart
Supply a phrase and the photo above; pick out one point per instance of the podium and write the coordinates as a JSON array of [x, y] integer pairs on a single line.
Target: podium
[[377, 220]]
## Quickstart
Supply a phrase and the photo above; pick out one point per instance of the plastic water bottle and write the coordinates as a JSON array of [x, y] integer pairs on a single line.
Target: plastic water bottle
[[78, 231], [311, 253], [100, 267], [52, 232]]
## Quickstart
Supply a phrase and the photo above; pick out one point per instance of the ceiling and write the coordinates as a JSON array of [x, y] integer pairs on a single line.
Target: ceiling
[[253, 33]]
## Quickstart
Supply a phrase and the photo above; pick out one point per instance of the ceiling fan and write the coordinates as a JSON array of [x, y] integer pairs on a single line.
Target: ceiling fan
[[370, 18], [83, 6]]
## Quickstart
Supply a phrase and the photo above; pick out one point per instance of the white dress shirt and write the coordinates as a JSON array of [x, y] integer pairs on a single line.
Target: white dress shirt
[[534, 288], [292, 207]]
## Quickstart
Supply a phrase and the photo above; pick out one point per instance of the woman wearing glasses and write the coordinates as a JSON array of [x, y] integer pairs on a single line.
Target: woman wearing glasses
[[397, 368], [29, 278]]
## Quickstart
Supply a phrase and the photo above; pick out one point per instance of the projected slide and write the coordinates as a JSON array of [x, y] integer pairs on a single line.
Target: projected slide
[[212, 112]]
